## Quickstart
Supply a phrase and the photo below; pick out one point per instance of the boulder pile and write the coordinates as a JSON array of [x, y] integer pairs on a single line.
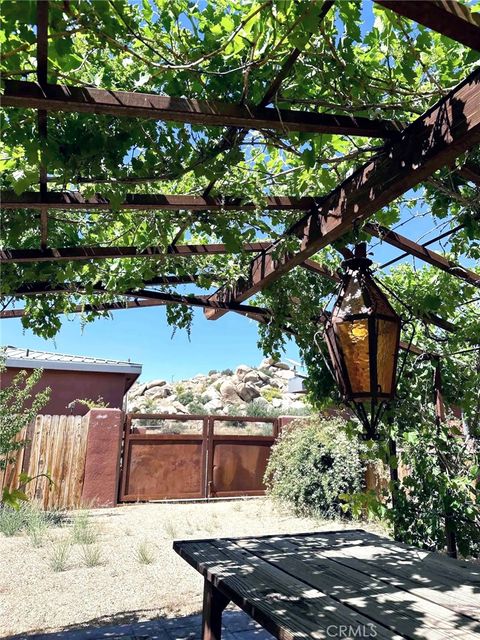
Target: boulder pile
[[261, 390]]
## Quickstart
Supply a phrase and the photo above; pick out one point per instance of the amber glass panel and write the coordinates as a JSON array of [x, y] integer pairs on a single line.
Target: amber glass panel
[[353, 338], [353, 301], [387, 343]]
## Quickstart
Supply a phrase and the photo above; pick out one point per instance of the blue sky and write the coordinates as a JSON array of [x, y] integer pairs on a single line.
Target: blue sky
[[144, 336]]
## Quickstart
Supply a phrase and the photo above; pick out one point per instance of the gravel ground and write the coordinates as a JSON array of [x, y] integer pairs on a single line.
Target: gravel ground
[[34, 597]]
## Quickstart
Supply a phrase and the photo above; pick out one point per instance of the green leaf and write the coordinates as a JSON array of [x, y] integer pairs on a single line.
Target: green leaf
[[147, 10]]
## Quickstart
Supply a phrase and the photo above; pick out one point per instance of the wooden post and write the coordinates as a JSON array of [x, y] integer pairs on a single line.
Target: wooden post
[[439, 418], [214, 602]]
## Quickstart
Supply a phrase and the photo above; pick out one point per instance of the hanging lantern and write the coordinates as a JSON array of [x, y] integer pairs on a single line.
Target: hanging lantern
[[363, 337]]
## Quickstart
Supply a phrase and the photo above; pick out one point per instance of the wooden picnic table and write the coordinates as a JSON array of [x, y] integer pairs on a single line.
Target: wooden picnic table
[[336, 584]]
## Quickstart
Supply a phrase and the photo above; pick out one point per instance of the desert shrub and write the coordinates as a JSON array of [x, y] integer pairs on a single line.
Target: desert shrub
[[186, 397], [59, 555], [198, 404], [12, 521], [92, 555], [36, 524], [227, 372], [261, 409], [144, 553], [30, 518], [212, 372], [170, 529], [83, 531], [271, 394], [312, 464]]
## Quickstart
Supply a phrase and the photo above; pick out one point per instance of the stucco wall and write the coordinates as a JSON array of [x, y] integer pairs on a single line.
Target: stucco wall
[[69, 385]]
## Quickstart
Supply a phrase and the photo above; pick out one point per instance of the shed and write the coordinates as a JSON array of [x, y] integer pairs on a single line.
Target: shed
[[73, 377]]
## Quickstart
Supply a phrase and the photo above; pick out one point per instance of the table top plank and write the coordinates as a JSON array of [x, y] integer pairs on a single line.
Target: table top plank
[[437, 564], [402, 611], [457, 588], [286, 607], [298, 586]]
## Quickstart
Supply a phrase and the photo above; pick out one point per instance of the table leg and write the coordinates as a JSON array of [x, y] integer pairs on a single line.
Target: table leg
[[214, 602]]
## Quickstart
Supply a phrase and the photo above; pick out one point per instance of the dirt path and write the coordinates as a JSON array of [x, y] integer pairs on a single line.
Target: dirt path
[[34, 597]]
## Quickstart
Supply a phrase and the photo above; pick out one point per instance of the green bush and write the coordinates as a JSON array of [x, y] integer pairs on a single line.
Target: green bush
[[186, 397], [312, 464], [197, 405], [271, 394]]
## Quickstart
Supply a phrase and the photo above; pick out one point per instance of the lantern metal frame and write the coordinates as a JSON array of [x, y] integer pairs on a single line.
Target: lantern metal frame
[[377, 399]]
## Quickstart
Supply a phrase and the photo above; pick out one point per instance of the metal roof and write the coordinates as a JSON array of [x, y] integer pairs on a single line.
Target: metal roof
[[33, 359]]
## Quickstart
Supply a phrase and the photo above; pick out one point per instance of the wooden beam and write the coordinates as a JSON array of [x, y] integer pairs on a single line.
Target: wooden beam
[[470, 172], [320, 269], [145, 202], [40, 288], [432, 141], [421, 252], [13, 256], [9, 314], [166, 298], [448, 17], [144, 298], [52, 97]]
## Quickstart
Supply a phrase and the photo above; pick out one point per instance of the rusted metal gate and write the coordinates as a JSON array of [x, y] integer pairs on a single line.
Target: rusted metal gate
[[169, 456]]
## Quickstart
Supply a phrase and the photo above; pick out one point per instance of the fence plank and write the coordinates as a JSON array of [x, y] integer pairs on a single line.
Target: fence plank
[[57, 447]]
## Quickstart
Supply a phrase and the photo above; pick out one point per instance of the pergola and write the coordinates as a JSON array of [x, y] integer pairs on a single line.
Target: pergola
[[409, 155]]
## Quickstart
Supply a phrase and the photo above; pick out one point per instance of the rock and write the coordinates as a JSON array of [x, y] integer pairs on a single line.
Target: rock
[[214, 406], [229, 393], [161, 407], [247, 392], [253, 377], [266, 362], [137, 390], [221, 393], [159, 392], [278, 384], [298, 404], [281, 365], [285, 374], [211, 393], [242, 370], [155, 383], [263, 377]]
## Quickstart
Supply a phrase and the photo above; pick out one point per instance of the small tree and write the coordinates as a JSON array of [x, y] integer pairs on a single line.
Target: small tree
[[19, 405]]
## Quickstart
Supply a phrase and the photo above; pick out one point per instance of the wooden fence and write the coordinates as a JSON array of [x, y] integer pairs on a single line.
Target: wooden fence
[[56, 446]]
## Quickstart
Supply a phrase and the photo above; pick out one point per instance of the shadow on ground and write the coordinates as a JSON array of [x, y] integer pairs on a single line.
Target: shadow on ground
[[127, 626]]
